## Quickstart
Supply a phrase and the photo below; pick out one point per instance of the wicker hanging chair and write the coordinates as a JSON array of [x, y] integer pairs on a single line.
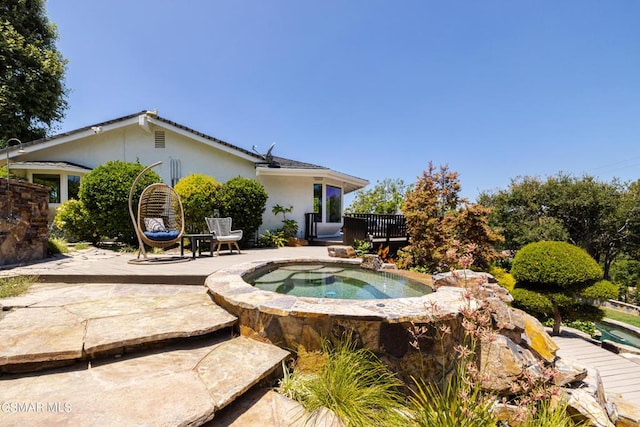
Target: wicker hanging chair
[[160, 219]]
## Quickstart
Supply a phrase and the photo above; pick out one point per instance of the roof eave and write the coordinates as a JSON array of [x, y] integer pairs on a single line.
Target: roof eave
[[349, 183]]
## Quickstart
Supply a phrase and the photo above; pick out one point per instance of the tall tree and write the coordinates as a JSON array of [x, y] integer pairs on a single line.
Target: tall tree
[[519, 213], [386, 197], [601, 217], [32, 87]]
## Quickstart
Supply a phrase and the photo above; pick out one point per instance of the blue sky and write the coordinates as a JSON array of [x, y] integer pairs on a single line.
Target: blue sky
[[375, 89]]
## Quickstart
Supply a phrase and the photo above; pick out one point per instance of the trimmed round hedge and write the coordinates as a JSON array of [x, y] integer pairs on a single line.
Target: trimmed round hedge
[[601, 291], [532, 302], [554, 263]]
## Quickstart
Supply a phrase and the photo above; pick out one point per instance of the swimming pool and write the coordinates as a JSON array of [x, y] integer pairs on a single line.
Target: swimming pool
[[618, 333], [331, 280]]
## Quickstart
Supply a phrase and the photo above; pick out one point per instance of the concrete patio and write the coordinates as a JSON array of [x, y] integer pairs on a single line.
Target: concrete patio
[[106, 266]]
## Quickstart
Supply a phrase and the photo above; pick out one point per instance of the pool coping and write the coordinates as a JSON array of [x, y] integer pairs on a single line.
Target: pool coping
[[229, 289]]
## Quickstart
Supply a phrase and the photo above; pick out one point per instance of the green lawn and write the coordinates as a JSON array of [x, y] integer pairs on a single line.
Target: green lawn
[[621, 316]]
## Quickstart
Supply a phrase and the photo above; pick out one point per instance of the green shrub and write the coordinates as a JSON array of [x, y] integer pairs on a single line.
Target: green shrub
[[198, 194], [532, 302], [289, 226], [554, 263], [548, 413], [272, 239], [504, 278], [244, 200], [352, 383], [581, 311], [56, 246], [362, 247], [586, 326], [601, 291], [460, 403], [75, 222], [105, 194]]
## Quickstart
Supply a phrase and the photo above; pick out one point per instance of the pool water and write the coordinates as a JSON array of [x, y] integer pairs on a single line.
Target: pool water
[[331, 280], [617, 334]]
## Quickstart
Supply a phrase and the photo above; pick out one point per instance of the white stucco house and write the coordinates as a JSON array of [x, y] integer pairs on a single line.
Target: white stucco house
[[61, 161]]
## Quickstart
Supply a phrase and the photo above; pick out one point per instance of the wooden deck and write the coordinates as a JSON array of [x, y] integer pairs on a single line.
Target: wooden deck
[[619, 375]]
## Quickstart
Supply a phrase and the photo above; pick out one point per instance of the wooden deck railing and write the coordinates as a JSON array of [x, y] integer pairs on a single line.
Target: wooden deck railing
[[374, 227]]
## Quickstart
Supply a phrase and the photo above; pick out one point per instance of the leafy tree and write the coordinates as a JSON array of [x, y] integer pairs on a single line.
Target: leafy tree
[[32, 89], [385, 198], [244, 200], [440, 221], [550, 276], [603, 218], [424, 209], [198, 193], [520, 215], [626, 273], [104, 193]]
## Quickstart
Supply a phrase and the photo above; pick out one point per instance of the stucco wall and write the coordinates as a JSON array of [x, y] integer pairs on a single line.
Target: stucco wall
[[133, 143], [297, 192], [25, 238], [287, 192]]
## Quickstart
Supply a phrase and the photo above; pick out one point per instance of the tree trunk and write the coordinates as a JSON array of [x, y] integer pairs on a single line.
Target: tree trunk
[[557, 320]]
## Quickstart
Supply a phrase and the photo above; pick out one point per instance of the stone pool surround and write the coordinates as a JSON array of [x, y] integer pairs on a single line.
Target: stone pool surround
[[290, 321]]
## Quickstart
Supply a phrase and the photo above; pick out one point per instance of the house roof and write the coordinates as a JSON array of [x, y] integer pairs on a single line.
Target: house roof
[[287, 167]]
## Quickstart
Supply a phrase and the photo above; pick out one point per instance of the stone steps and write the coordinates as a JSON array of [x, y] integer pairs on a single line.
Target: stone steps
[[262, 407], [183, 384], [62, 324], [136, 355]]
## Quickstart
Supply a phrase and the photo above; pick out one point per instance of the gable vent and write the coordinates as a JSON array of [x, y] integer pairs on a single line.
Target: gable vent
[[159, 137]]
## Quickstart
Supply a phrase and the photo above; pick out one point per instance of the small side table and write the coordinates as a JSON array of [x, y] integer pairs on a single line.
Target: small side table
[[196, 239]]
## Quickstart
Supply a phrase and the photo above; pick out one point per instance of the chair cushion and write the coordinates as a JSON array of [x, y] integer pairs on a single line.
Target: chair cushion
[[154, 224], [230, 238], [161, 235]]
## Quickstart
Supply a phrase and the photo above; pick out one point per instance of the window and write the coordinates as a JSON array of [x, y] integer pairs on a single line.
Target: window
[[334, 204], [73, 186], [159, 138], [317, 202], [52, 181]]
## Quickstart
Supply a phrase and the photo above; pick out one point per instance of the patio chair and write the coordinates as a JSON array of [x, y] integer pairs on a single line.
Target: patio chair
[[223, 234]]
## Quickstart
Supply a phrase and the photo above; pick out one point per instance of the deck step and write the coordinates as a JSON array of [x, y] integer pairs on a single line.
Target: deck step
[[54, 328], [182, 384]]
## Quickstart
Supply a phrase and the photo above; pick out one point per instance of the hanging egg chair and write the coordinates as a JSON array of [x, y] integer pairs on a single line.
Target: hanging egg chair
[[159, 222]]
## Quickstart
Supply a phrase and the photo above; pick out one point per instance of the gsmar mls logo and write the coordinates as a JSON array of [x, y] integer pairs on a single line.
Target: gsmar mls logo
[[20, 407]]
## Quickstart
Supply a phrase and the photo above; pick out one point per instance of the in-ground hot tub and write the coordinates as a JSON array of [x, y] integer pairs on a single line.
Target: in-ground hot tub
[[289, 321], [334, 280]]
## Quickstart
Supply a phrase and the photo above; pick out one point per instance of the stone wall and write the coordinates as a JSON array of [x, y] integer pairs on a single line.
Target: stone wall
[[622, 306], [23, 237]]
